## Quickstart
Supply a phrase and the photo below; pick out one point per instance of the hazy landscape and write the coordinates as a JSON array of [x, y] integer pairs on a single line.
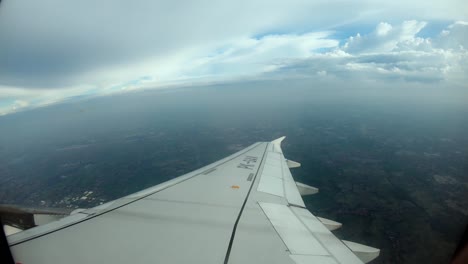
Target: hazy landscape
[[392, 166]]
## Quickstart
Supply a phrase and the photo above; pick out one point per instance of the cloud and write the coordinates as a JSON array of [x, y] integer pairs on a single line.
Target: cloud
[[454, 37], [385, 38], [45, 48], [53, 50], [392, 53], [57, 44], [251, 56], [388, 53]]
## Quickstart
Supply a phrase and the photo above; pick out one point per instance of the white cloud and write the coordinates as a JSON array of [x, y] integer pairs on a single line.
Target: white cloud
[[250, 56], [18, 104], [454, 37], [383, 29], [385, 38], [392, 53]]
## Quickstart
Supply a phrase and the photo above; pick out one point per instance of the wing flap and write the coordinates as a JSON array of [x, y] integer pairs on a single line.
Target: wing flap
[[304, 235], [276, 179], [271, 179], [293, 233], [292, 193], [334, 246]]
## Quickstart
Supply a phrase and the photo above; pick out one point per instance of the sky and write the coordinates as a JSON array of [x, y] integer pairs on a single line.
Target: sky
[[52, 51]]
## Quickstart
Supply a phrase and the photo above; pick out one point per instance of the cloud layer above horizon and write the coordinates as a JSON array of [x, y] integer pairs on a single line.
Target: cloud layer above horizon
[[54, 50]]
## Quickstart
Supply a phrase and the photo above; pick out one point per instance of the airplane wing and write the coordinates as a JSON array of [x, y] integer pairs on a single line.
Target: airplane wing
[[245, 208]]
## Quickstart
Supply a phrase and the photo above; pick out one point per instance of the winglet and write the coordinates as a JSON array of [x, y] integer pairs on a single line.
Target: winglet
[[277, 144]]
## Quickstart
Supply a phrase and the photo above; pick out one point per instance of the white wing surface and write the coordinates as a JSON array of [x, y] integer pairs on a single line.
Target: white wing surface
[[245, 208]]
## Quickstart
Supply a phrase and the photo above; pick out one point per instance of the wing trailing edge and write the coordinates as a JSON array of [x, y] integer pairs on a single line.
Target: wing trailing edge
[[307, 237]]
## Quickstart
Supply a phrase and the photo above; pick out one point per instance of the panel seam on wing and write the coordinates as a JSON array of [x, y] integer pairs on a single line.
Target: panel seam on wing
[[276, 231], [231, 241]]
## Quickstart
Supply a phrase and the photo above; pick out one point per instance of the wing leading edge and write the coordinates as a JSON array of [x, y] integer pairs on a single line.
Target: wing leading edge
[[245, 208]]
